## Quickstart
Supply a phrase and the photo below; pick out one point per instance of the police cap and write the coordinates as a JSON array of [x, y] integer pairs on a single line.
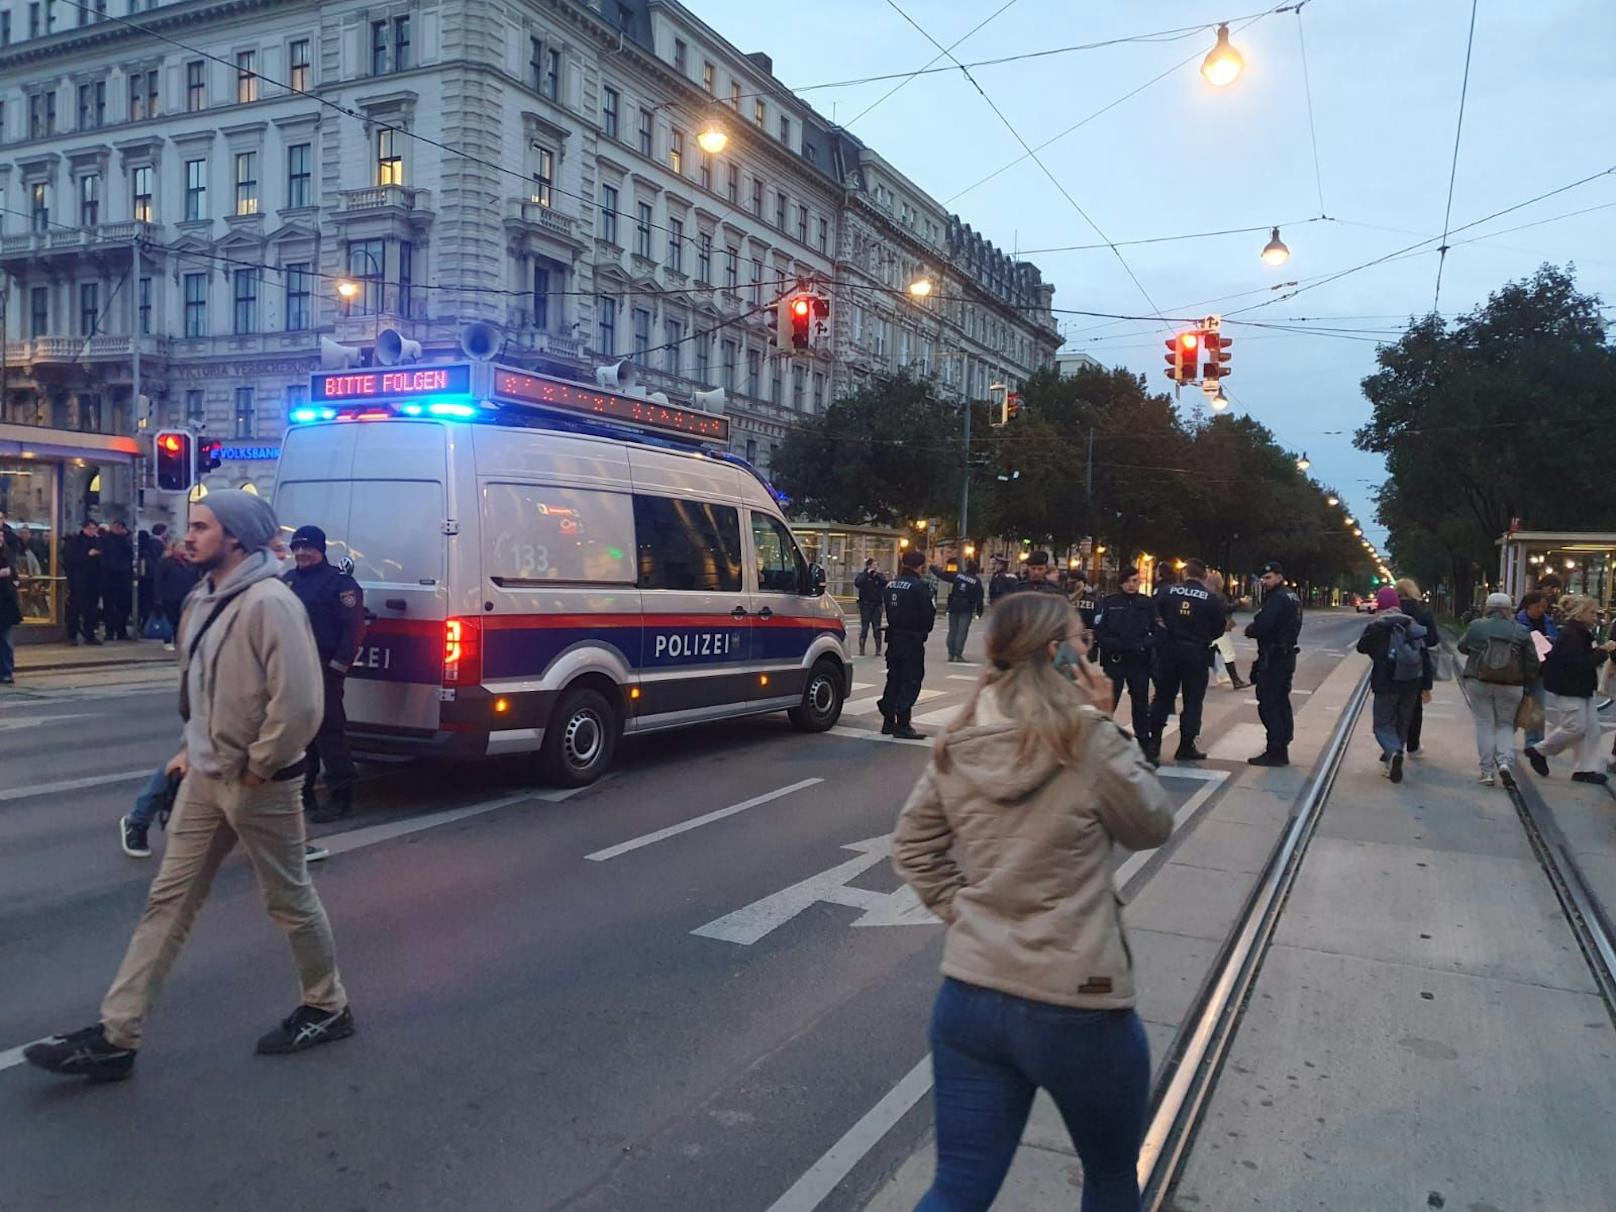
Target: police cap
[[1272, 566], [914, 559], [308, 536]]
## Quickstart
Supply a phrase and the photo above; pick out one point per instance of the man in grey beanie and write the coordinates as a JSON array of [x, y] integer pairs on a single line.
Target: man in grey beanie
[[251, 698]]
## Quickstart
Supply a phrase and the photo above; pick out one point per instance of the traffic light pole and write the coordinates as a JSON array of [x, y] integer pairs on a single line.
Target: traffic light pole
[[965, 481], [140, 423]]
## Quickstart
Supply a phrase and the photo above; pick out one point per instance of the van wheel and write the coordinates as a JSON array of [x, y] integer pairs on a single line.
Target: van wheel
[[581, 739], [821, 701]]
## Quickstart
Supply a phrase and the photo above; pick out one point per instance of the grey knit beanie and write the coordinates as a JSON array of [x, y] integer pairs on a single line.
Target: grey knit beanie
[[244, 515]]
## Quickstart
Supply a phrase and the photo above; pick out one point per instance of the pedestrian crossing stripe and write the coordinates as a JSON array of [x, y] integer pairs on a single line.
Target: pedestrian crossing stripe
[[868, 706]]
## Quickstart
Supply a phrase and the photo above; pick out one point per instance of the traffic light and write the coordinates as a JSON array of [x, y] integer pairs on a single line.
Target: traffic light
[[209, 454], [794, 320], [173, 450], [1183, 356], [1215, 356]]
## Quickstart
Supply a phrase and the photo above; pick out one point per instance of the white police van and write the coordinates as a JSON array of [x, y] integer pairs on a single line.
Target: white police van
[[549, 566]]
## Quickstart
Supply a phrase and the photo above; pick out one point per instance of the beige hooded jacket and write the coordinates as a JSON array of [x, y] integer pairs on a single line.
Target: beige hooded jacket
[[1014, 854]]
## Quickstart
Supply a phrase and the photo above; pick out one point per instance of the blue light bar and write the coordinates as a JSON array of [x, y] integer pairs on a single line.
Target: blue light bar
[[459, 411], [302, 416], [411, 410]]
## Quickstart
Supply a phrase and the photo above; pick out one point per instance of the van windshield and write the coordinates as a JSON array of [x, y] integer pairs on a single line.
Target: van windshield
[[391, 529]]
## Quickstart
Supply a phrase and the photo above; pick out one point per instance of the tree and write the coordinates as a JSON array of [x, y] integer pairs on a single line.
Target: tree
[[1502, 414]]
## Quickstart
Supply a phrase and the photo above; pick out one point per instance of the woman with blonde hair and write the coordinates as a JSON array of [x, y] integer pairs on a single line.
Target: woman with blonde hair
[[1570, 674], [1008, 837], [1223, 650]]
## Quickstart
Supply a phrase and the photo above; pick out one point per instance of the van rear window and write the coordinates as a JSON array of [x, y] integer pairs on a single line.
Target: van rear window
[[391, 529], [536, 533]]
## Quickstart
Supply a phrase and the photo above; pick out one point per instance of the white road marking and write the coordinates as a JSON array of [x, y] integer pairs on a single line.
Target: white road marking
[[943, 715], [1239, 743], [12, 1057], [869, 734], [1213, 779], [823, 1177], [863, 685], [36, 721], [649, 839], [961, 677], [93, 780], [868, 706]]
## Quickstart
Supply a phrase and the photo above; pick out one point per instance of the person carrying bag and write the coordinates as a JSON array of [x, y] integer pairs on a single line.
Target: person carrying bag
[[1501, 661]]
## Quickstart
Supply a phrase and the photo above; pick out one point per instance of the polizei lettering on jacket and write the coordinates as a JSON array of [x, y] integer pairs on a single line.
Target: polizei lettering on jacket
[[1189, 591], [687, 644]]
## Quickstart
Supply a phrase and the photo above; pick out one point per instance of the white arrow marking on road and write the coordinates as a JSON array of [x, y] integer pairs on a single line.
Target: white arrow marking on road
[[611, 852], [746, 925], [868, 706]]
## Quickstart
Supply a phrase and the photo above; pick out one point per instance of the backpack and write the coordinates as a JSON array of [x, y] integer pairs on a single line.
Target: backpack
[[1499, 663], [1405, 652]]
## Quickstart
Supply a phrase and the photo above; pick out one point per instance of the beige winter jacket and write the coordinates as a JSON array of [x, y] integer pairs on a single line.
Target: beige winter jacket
[[253, 695], [1015, 856]]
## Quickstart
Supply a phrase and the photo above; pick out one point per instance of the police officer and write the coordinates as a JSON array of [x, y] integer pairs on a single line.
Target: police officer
[[1276, 629], [81, 559], [964, 601], [1038, 578], [1125, 628], [1087, 602], [1192, 620], [1001, 582], [336, 607], [869, 585], [911, 614]]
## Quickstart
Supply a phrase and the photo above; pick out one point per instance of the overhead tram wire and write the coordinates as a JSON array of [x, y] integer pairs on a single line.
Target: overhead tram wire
[[884, 96], [1307, 88], [893, 4], [1453, 171], [1193, 235]]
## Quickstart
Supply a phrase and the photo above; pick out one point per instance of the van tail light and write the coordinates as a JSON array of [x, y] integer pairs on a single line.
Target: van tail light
[[462, 652]]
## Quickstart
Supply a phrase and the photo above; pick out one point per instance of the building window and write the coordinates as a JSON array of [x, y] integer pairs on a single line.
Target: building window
[[606, 321], [33, 20], [366, 264], [642, 230], [757, 112], [754, 376], [735, 95], [673, 337], [89, 308], [246, 183], [299, 175], [246, 320], [610, 104], [378, 48], [676, 151], [196, 410], [642, 332], [680, 55], [757, 196], [89, 199], [142, 96], [802, 224], [824, 234], [552, 74], [708, 76], [727, 349], [245, 413], [535, 62], [645, 131], [41, 115], [297, 58], [706, 171], [401, 43], [406, 276], [196, 85], [704, 258], [5, 28], [799, 379], [144, 306], [757, 280], [39, 311], [39, 205], [676, 245], [608, 214], [544, 178], [196, 190], [703, 357], [92, 105], [732, 263], [733, 189], [774, 380], [297, 297], [541, 296], [141, 211], [780, 209], [389, 160], [246, 77], [819, 392], [785, 130]]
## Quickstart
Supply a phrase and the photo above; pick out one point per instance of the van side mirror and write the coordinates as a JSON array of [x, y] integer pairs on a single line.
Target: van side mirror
[[816, 579]]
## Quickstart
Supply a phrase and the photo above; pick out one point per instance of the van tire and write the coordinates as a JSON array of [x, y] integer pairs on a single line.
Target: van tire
[[822, 699], [581, 738]]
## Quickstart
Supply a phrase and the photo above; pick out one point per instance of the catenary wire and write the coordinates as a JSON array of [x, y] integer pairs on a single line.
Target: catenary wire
[[1307, 89], [901, 83], [1453, 171]]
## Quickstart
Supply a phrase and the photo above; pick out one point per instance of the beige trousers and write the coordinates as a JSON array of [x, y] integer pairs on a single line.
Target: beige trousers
[[210, 816]]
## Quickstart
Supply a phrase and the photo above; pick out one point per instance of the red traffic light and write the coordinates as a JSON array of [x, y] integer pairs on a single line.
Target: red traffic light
[[170, 443], [1217, 353], [801, 307], [1182, 362], [1189, 340], [173, 454]]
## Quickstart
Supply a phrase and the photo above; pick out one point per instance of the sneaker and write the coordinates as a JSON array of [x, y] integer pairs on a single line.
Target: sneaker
[[1604, 703], [1189, 753], [1590, 776], [168, 647], [306, 1027], [1486, 779], [1394, 769], [1414, 751], [1540, 764], [133, 838], [1385, 767], [84, 1053], [1506, 777], [313, 852]]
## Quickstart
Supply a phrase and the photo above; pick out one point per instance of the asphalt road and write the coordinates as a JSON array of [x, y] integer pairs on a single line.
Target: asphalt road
[[548, 1017]]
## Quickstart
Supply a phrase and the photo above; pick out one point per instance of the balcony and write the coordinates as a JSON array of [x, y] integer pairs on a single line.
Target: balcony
[[59, 240], [48, 350], [386, 197], [533, 214]]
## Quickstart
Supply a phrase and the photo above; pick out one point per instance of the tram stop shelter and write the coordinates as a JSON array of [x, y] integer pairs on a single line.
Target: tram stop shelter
[[1584, 561]]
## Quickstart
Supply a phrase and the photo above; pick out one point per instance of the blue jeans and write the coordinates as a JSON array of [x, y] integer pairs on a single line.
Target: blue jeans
[[8, 659], [991, 1052], [147, 802], [1393, 709], [959, 630]]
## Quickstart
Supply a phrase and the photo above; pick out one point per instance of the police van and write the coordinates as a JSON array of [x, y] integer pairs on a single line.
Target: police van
[[549, 566]]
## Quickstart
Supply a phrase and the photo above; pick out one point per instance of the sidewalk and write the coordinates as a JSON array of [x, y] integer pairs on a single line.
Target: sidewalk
[[55, 658], [1425, 1031]]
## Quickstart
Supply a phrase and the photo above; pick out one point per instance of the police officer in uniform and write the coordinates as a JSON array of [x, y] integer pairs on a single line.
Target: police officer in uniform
[[1087, 602], [1192, 620], [1038, 578], [911, 614], [1125, 629], [1276, 629], [965, 599], [1001, 582], [336, 607], [869, 585]]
